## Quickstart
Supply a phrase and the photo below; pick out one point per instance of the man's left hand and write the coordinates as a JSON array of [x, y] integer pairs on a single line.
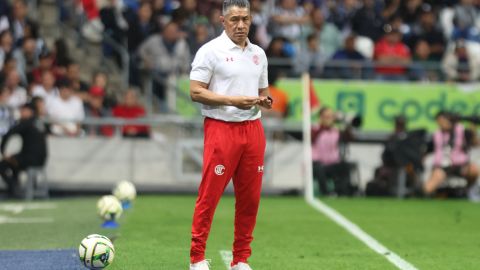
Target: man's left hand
[[265, 102]]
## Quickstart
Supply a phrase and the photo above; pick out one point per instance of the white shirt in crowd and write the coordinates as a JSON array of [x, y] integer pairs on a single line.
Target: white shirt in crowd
[[17, 98], [40, 91], [232, 71], [66, 110]]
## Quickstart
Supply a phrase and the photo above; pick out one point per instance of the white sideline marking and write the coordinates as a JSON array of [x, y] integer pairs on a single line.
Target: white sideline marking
[[5, 220], [17, 208], [227, 257], [361, 235]]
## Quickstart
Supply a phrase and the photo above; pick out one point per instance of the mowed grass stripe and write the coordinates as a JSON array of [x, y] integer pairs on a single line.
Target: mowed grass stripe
[[431, 234], [289, 235]]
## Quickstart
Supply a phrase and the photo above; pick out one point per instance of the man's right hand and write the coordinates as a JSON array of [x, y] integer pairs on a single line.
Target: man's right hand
[[244, 102]]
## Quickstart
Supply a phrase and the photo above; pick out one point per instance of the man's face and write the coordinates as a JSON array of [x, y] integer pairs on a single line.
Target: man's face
[[66, 92], [171, 33], [327, 118], [26, 113], [73, 72], [444, 123], [237, 24]]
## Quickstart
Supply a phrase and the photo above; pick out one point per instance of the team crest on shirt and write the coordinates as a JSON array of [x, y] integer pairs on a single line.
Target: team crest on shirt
[[256, 59], [219, 169]]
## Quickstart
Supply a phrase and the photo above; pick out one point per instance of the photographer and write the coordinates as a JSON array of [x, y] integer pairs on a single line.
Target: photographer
[[451, 143], [328, 163]]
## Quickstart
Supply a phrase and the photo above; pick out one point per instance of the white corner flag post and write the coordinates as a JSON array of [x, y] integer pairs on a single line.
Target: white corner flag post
[[307, 137]]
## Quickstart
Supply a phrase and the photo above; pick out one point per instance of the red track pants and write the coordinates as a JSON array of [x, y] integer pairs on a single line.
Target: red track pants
[[231, 150]]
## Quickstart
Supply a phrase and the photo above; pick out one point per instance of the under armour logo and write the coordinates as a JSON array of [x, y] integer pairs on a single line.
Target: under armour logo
[[260, 168], [219, 169], [229, 59]]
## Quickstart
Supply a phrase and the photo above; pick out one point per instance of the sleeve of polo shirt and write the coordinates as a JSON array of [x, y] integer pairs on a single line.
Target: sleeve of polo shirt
[[263, 80], [202, 66]]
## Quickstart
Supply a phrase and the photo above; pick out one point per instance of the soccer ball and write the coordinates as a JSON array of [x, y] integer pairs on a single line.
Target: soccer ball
[[96, 251], [125, 191], [109, 207]]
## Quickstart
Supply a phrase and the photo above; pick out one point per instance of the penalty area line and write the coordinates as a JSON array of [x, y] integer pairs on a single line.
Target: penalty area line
[[227, 257], [361, 235]]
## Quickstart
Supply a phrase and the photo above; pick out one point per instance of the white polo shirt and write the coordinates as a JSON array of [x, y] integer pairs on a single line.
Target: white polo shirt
[[232, 71]]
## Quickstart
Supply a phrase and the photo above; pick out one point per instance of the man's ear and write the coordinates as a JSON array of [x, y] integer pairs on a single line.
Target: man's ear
[[222, 19]]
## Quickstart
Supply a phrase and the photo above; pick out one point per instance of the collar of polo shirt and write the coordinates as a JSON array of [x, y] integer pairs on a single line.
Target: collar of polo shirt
[[231, 45]]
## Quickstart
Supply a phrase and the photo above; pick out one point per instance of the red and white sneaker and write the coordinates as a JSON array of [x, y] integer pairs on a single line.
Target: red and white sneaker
[[202, 265]]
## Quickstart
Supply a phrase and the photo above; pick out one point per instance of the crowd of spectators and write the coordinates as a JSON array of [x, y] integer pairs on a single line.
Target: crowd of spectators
[[425, 40], [32, 70]]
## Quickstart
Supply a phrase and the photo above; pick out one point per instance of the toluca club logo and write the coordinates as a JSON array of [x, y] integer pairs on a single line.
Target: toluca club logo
[[219, 169], [256, 59]]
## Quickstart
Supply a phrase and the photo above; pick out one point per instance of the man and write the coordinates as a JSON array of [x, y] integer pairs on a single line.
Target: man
[[392, 56], [66, 110], [451, 144], [327, 159], [34, 147], [229, 78], [165, 54]]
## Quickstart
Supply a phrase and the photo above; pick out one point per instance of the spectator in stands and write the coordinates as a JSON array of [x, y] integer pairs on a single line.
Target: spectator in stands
[[368, 21], [185, 16], [165, 54], [427, 29], [66, 110], [73, 75], [279, 109], [95, 108], [116, 27], [9, 65], [312, 59], [45, 63], [17, 95], [280, 53], [464, 20], [327, 162], [423, 66], [342, 13], [209, 5], [451, 144], [60, 53], [215, 27], [162, 10], [199, 36], [46, 89], [461, 65], [19, 22], [140, 26], [6, 46], [327, 32], [130, 108], [7, 114], [27, 58], [392, 56], [349, 59], [411, 10], [288, 19], [33, 151], [258, 29]]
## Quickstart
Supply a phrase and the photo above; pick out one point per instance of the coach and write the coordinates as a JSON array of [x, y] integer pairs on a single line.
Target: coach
[[229, 79]]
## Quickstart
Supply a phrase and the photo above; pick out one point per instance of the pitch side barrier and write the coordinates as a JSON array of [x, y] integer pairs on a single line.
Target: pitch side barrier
[[169, 161]]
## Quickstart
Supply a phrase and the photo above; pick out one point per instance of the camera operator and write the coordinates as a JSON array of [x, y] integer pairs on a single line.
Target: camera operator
[[328, 163], [451, 143]]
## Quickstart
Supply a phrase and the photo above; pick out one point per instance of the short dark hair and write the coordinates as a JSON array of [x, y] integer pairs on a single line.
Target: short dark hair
[[227, 4]]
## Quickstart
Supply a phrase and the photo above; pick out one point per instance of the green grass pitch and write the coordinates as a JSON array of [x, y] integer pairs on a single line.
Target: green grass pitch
[[290, 235]]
